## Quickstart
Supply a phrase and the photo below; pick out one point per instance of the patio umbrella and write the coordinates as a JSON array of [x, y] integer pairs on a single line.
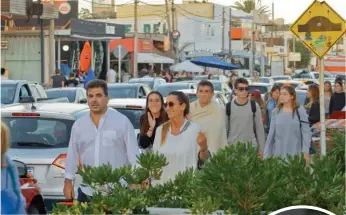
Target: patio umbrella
[[186, 66], [214, 63]]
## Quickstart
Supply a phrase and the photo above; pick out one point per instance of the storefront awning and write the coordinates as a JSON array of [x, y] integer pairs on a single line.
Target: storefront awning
[[153, 58]]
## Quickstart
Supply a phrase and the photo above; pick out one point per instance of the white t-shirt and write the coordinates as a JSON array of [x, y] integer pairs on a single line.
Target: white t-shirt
[[181, 151], [111, 76], [4, 77]]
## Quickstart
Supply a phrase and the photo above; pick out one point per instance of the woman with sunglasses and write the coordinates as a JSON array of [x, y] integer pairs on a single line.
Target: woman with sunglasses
[[154, 115], [179, 139], [289, 132]]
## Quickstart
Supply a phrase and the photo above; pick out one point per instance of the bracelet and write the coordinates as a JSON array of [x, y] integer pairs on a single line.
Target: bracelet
[[204, 151]]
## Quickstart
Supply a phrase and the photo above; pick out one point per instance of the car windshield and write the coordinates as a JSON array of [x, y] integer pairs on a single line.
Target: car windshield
[[317, 75], [132, 114], [301, 96], [122, 92], [8, 91], [262, 89], [192, 97], [205, 77], [39, 132], [146, 82], [294, 85], [264, 80], [166, 89], [279, 78], [217, 86], [54, 94]]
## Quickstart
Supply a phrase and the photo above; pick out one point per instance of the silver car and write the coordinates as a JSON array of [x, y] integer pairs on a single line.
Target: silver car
[[40, 135]]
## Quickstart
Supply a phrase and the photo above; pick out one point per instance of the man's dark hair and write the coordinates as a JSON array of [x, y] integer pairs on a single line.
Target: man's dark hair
[[97, 83], [3, 70], [204, 83], [240, 81], [275, 88]]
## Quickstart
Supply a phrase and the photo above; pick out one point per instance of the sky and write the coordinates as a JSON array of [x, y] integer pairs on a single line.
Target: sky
[[290, 10]]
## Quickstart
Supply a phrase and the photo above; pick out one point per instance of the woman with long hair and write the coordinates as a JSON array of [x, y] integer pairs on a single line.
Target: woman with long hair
[[328, 92], [313, 107], [12, 200], [154, 115], [179, 139], [289, 132], [337, 101]]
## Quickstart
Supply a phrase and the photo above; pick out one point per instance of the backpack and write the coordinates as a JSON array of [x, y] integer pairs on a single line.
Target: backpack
[[228, 113], [312, 149], [11, 198]]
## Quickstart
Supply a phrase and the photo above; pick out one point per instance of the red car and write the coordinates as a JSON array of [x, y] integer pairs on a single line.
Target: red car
[[30, 190]]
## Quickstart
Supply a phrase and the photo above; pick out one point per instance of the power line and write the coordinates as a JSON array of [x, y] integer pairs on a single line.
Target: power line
[[94, 3]]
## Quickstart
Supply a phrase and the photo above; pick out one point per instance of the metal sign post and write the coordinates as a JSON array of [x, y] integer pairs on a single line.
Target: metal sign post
[[322, 109], [119, 64]]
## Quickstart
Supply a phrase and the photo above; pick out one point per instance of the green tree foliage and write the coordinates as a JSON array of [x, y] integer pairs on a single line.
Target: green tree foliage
[[234, 180], [305, 54], [250, 5]]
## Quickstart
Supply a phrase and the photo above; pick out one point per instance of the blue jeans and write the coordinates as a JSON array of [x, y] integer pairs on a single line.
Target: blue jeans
[[82, 197]]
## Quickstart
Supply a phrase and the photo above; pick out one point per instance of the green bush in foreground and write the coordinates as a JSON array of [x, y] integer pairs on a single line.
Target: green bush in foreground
[[233, 180]]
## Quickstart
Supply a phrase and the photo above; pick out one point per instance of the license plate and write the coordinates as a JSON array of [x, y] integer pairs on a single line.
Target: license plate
[[31, 171]]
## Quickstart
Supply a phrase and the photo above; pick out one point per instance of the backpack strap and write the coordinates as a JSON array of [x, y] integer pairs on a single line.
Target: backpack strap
[[253, 108], [300, 125], [228, 113]]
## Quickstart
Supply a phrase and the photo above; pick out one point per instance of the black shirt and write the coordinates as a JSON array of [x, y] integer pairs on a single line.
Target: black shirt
[[145, 141], [337, 102], [72, 83]]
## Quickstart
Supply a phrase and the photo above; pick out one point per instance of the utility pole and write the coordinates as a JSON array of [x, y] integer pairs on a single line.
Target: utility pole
[[174, 28], [51, 45], [135, 51], [42, 47], [223, 30], [230, 35], [168, 25], [252, 69], [272, 39]]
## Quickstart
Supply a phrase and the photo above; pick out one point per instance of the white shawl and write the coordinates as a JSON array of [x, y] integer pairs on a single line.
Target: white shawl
[[211, 118]]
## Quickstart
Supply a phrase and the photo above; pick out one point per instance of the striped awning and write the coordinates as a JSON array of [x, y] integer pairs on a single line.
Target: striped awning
[[335, 64], [332, 123]]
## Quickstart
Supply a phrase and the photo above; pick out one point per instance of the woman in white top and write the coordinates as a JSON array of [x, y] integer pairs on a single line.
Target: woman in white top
[[179, 139]]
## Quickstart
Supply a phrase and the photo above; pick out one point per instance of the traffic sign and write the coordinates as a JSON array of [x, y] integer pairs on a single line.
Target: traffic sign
[[120, 52], [319, 28]]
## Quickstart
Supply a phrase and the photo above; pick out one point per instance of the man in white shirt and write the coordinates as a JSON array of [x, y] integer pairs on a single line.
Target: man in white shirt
[[111, 76], [101, 137]]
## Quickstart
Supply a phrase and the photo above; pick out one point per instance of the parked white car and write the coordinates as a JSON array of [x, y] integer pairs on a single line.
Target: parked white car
[[219, 97], [40, 138], [131, 108]]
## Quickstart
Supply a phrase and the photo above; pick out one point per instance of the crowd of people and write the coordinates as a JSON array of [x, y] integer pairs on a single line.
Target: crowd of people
[[189, 133]]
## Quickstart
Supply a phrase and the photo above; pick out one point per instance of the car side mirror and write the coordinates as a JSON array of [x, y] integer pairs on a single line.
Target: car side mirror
[[83, 101], [22, 168], [27, 99]]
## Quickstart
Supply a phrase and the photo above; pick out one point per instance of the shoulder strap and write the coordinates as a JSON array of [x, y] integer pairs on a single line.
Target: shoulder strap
[[253, 108], [185, 126]]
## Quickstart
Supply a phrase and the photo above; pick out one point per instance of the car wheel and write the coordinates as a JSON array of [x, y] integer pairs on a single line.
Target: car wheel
[[33, 210]]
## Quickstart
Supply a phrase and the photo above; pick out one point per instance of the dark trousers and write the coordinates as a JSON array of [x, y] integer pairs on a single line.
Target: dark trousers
[[82, 197]]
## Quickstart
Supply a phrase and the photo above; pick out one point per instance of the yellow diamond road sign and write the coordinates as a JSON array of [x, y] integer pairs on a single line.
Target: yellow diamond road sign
[[319, 28]]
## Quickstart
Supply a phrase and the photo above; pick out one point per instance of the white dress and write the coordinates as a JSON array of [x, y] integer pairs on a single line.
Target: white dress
[[181, 151]]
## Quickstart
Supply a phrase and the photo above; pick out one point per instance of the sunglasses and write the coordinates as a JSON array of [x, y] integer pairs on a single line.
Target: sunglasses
[[243, 88], [170, 104]]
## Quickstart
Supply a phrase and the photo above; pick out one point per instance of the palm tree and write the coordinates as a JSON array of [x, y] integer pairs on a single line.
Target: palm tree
[[249, 5]]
